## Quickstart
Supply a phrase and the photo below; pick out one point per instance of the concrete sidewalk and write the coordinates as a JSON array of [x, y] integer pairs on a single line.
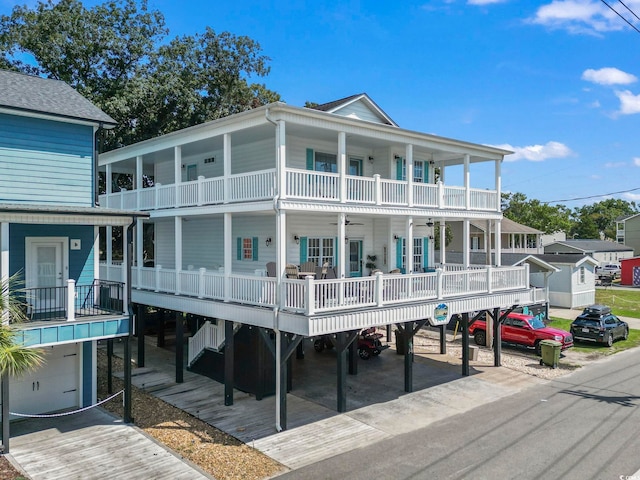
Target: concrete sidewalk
[[572, 313]]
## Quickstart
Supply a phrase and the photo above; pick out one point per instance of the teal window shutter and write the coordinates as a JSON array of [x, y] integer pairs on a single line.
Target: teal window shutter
[[425, 172], [303, 249], [255, 249], [425, 253], [309, 158], [399, 163], [399, 253], [239, 248]]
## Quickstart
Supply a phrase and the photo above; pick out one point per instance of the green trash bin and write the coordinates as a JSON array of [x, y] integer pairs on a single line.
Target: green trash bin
[[550, 351]]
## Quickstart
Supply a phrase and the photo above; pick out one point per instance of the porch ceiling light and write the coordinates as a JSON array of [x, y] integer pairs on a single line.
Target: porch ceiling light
[[296, 238], [268, 241], [430, 223]]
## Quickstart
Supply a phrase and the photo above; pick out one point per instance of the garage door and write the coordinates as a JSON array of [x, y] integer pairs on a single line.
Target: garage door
[[54, 386]]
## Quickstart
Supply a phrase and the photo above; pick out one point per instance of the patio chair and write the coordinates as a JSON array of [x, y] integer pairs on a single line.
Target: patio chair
[[271, 269], [375, 270], [395, 271], [331, 273], [308, 267], [291, 270], [324, 270]]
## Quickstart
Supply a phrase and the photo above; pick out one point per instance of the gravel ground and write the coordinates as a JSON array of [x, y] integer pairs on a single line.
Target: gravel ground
[[217, 453]]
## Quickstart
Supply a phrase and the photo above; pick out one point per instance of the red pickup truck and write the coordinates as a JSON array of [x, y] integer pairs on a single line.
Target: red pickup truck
[[522, 329]]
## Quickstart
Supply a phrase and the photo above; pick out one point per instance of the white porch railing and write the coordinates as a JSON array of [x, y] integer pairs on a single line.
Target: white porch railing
[[304, 185], [310, 296], [209, 336]]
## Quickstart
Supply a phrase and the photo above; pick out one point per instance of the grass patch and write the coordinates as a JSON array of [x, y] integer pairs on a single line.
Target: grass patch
[[602, 349], [625, 303]]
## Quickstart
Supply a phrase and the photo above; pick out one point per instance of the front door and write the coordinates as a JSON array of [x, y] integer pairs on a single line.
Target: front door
[[355, 258], [46, 273]]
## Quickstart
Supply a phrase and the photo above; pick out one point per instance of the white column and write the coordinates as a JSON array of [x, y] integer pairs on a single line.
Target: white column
[[71, 300], [139, 243], [4, 266], [281, 254], [226, 165], [108, 180], [342, 257], [138, 179], [96, 253], [281, 159], [498, 242], [177, 171], [409, 246], [125, 277], [178, 251], [342, 165], [228, 255], [465, 243], [467, 184], [498, 174], [443, 239], [409, 161], [487, 243], [109, 244]]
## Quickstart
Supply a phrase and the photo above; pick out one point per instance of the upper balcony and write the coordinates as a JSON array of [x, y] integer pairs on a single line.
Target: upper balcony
[[303, 185]]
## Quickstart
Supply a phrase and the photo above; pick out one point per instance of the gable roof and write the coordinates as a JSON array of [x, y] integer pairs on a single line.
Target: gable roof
[[480, 258], [624, 218], [567, 258], [589, 246], [44, 96], [337, 105]]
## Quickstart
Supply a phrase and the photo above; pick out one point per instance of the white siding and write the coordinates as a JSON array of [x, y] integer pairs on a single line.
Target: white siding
[[163, 173], [202, 243], [359, 110], [165, 244]]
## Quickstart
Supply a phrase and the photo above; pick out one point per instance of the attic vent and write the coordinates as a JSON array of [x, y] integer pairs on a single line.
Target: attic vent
[[209, 160]]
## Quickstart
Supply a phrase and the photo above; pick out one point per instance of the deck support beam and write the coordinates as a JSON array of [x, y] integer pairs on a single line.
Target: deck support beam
[[443, 339], [288, 347], [110, 366], [179, 347], [127, 380], [465, 344], [228, 362], [408, 331], [497, 338], [343, 341], [140, 329]]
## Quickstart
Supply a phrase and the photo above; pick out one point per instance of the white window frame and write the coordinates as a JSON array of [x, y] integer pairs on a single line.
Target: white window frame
[[323, 250]]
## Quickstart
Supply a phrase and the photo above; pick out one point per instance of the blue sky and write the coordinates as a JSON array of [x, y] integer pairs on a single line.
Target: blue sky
[[555, 81]]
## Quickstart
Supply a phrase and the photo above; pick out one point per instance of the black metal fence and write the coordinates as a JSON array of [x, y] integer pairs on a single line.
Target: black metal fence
[[101, 297]]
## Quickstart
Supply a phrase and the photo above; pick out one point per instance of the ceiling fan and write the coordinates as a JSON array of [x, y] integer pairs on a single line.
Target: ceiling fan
[[348, 222]]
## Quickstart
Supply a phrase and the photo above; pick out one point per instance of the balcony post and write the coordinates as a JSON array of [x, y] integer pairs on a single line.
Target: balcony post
[[439, 279], [177, 172], [378, 189], [379, 285], [498, 175], [201, 282], [158, 267], [409, 160], [200, 190], [226, 164], [310, 297], [178, 251], [342, 165], [228, 249], [138, 180], [526, 275], [156, 190], [71, 300], [441, 204], [467, 189], [489, 278]]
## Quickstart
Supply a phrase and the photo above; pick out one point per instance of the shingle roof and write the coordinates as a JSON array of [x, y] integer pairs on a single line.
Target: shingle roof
[[508, 226], [480, 258], [49, 97], [589, 246], [336, 104]]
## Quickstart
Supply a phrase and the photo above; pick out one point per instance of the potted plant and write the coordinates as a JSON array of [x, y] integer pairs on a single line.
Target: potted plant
[[371, 263]]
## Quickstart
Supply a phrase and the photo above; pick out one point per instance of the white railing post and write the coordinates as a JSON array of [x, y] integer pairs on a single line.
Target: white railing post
[[379, 285], [202, 271], [439, 279], [526, 275], [440, 194], [310, 300], [158, 267], [200, 190], [71, 300], [489, 278], [378, 189], [156, 189]]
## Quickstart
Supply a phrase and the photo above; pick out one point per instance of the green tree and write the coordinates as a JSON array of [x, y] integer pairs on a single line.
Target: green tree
[[448, 235], [117, 54], [15, 359], [535, 214], [599, 219]]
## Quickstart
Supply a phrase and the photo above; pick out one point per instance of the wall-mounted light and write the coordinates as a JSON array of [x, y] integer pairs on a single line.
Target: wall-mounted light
[[296, 238], [396, 157], [430, 237], [396, 237], [370, 159], [346, 239], [430, 223], [267, 242], [431, 162]]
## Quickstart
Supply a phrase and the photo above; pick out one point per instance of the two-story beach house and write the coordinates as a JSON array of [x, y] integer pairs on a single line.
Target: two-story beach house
[[48, 239], [266, 221]]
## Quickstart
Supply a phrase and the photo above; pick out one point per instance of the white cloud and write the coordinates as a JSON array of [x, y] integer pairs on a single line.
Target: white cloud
[[614, 164], [579, 16], [629, 103], [537, 153], [595, 104], [636, 161], [608, 76], [632, 197]]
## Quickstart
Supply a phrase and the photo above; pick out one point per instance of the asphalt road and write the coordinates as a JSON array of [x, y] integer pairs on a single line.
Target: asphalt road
[[583, 426]]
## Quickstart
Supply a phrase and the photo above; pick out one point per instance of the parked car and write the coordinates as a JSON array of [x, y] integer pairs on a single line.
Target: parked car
[[597, 324], [521, 329], [608, 270]]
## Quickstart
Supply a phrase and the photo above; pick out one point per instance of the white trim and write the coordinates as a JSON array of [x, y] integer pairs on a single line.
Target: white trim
[[54, 118], [63, 219]]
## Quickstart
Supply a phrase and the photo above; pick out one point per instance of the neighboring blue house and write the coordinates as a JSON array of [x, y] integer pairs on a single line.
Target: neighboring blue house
[[49, 235]]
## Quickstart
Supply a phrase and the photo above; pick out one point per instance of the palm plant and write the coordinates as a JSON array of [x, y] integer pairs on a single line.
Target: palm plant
[[15, 359]]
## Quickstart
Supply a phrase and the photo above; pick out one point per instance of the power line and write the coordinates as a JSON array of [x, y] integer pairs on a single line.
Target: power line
[[632, 12], [591, 196], [617, 13]]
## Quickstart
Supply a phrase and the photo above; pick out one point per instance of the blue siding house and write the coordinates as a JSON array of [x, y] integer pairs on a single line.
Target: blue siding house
[[49, 225]]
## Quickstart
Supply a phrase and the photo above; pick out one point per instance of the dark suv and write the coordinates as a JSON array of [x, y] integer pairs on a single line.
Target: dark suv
[[598, 324]]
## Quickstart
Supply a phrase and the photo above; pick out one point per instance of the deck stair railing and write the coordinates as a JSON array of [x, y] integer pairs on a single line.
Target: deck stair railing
[[209, 337]]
